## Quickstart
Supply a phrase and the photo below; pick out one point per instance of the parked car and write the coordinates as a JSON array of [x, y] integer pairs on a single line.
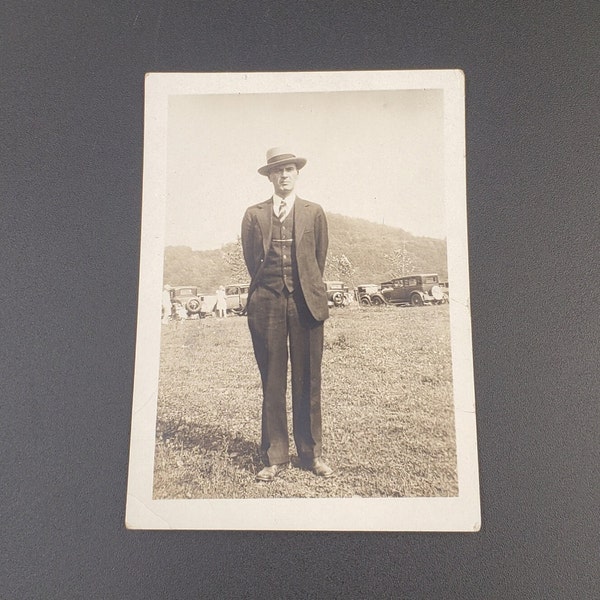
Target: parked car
[[337, 293], [188, 298], [364, 292], [237, 296], [416, 290]]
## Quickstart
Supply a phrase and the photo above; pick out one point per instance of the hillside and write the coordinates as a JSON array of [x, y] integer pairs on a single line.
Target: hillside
[[374, 254]]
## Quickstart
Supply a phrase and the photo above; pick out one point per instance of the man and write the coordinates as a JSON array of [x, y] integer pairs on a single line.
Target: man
[[284, 241], [166, 304]]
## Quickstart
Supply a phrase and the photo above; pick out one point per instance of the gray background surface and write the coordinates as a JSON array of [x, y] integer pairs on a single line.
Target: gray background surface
[[72, 116]]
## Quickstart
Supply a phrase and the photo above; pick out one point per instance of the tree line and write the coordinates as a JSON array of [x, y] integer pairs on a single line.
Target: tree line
[[359, 252]]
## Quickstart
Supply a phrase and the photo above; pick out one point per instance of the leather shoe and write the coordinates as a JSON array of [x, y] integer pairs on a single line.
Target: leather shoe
[[320, 468], [269, 473]]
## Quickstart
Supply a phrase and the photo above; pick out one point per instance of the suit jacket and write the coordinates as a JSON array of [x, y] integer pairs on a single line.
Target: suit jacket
[[310, 241]]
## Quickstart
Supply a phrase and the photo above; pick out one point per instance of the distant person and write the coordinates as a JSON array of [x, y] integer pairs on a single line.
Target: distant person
[[284, 241], [221, 305], [166, 304]]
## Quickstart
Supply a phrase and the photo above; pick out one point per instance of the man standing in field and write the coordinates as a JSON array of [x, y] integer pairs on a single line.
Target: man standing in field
[[284, 241]]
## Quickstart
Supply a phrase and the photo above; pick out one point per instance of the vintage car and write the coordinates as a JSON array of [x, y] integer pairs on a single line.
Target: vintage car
[[188, 298], [364, 291], [416, 290], [237, 296], [338, 293]]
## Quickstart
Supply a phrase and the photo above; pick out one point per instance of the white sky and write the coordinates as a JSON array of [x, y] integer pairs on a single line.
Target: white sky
[[377, 155]]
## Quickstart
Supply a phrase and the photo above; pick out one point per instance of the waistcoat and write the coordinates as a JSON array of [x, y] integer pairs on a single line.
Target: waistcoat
[[280, 270]]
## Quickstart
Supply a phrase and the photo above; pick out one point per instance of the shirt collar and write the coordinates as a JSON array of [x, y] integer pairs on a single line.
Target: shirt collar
[[289, 202]]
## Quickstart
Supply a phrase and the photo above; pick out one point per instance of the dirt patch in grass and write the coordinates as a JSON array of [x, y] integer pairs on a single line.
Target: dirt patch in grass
[[388, 420]]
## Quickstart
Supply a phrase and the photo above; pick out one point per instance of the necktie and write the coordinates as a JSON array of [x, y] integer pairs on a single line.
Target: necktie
[[282, 208]]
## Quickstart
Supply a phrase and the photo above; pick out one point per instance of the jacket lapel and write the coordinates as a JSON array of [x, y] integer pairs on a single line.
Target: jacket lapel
[[300, 219], [266, 223]]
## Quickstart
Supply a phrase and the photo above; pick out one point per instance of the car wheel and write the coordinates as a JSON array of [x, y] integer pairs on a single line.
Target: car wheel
[[337, 299], [193, 306], [416, 300], [436, 292], [377, 301], [365, 301]]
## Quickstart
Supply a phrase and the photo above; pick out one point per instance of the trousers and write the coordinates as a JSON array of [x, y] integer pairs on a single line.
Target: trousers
[[279, 322]]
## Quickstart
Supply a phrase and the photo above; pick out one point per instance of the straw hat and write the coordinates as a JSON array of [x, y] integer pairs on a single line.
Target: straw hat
[[281, 156]]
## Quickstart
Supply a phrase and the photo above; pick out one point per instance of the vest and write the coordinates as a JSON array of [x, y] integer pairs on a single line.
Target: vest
[[280, 270]]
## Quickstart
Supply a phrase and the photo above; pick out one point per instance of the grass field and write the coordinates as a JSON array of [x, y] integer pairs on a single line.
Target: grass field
[[388, 419]]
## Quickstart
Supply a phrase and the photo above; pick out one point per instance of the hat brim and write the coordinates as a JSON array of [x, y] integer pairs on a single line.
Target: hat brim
[[299, 162]]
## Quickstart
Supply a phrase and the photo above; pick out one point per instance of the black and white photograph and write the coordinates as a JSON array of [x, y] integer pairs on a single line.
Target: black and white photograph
[[303, 355], [297, 300]]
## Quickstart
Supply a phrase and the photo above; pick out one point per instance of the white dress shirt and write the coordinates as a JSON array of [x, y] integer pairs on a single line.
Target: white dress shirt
[[289, 204]]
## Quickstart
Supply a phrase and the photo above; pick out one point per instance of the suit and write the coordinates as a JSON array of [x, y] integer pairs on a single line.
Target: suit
[[287, 319], [311, 241]]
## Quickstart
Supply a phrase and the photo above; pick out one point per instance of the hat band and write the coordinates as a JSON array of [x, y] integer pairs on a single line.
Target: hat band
[[281, 157]]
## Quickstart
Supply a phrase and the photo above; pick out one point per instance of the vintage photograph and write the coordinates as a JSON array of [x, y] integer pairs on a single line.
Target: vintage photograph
[[304, 358]]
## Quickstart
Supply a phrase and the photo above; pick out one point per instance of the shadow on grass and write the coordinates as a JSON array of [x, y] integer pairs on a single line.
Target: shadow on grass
[[191, 440]]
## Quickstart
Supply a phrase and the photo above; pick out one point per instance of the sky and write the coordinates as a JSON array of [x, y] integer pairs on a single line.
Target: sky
[[376, 155]]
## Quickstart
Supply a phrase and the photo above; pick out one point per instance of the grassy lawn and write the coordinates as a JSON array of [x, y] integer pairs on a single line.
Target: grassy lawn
[[388, 419]]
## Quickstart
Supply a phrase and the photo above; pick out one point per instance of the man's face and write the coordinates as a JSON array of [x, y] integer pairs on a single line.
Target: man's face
[[283, 179]]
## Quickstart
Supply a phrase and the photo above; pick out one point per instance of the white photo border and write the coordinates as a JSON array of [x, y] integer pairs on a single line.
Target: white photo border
[[460, 513]]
